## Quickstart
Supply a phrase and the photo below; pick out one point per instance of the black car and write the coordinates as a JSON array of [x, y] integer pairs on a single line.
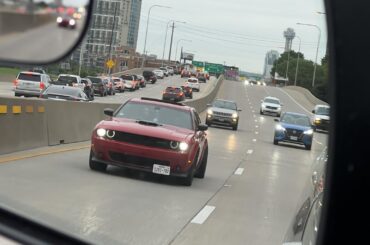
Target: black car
[[188, 91], [100, 86], [173, 94], [57, 92], [149, 76], [66, 21]]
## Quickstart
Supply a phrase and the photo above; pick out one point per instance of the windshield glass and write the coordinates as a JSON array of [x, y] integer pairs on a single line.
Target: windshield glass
[[224, 104], [95, 79], [29, 77], [272, 101], [325, 111], [173, 90], [67, 79], [296, 119], [157, 114]]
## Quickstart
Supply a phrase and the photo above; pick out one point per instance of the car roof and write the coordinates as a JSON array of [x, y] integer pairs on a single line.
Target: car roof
[[270, 97], [68, 75], [177, 106], [295, 113], [225, 100]]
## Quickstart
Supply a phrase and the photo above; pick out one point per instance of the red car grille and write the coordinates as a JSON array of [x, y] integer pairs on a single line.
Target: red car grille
[[136, 160], [141, 140]]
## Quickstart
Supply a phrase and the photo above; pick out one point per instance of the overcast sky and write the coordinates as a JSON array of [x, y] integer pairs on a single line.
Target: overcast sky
[[237, 32]]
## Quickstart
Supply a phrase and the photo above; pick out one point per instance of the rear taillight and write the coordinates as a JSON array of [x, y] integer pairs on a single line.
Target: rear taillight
[[15, 83], [181, 94], [42, 86]]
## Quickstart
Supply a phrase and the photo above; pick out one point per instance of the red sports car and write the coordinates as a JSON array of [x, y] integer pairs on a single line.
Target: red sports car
[[154, 136]]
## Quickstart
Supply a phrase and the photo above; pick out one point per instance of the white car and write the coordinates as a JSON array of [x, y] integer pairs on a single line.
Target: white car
[[68, 79], [170, 70], [165, 71], [321, 118], [193, 83], [271, 105], [159, 74]]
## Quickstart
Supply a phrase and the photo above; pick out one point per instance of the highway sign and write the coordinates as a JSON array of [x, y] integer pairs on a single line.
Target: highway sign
[[198, 63], [214, 68], [110, 64]]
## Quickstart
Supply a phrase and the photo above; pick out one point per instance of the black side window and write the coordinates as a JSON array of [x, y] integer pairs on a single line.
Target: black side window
[[197, 120]]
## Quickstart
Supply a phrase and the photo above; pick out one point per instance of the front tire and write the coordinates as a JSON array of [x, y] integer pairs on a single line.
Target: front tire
[[261, 112], [235, 127], [308, 147], [96, 166], [202, 168], [276, 142]]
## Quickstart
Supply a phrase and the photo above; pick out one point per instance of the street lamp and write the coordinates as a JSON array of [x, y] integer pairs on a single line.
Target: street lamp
[[165, 39], [317, 50], [147, 26], [296, 68], [185, 40]]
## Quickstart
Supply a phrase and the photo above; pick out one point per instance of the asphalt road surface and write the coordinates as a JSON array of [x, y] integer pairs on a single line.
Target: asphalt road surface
[[41, 44], [249, 195], [151, 90]]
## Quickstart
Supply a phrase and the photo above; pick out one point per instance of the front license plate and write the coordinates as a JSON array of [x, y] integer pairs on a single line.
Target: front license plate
[[293, 138], [160, 169]]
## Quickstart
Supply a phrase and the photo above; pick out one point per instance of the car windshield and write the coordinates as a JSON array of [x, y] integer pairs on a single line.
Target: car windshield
[[173, 90], [156, 114], [67, 79], [325, 111], [272, 101], [213, 159], [224, 104], [95, 79], [29, 77], [300, 120]]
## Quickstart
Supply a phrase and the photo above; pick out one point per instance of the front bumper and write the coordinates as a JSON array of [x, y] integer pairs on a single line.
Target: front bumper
[[303, 139], [269, 110], [322, 124], [222, 120], [27, 92], [139, 157]]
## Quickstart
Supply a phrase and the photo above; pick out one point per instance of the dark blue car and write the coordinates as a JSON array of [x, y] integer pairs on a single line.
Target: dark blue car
[[294, 128]]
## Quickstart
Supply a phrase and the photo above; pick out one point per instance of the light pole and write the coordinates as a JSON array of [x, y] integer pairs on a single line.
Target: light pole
[[147, 26], [81, 56], [185, 40], [317, 50], [296, 68], [287, 66], [165, 39]]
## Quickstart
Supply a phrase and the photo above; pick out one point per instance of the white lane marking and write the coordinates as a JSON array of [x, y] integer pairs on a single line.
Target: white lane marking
[[239, 171], [256, 125], [256, 132], [249, 151], [254, 140], [253, 111], [318, 142], [203, 215], [256, 120], [295, 101]]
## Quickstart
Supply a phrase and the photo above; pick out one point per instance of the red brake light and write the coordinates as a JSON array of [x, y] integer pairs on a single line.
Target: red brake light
[[42, 86], [181, 93], [15, 83]]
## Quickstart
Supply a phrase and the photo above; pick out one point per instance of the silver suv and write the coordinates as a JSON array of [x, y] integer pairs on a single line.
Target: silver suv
[[31, 83], [223, 112]]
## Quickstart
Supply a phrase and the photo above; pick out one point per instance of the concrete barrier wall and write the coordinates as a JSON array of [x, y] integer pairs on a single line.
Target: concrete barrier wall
[[27, 123], [17, 22], [309, 96]]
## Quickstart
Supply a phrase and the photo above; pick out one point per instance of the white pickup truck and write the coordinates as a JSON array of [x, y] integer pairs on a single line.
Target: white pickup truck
[[70, 80]]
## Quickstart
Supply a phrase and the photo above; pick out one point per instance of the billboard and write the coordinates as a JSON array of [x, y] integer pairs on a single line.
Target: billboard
[[187, 56]]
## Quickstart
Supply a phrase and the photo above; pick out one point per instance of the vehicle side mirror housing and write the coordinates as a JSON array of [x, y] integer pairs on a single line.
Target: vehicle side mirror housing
[[202, 127], [313, 111], [109, 112], [276, 120]]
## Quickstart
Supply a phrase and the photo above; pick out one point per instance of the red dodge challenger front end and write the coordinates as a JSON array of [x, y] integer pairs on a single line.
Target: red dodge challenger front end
[[153, 136]]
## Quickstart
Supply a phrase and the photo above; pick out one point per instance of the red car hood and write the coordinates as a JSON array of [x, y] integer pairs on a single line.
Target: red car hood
[[168, 132]]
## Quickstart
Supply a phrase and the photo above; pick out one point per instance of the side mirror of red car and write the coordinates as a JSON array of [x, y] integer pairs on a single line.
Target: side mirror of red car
[[202, 127], [109, 112]]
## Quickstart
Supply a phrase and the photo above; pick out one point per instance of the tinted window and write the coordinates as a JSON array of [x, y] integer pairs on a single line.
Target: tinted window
[[192, 81], [157, 114], [272, 101], [224, 104], [29, 77], [174, 90], [95, 79], [296, 119], [127, 77], [67, 79]]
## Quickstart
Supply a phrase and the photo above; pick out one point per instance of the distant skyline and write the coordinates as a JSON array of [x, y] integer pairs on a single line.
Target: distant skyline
[[237, 32]]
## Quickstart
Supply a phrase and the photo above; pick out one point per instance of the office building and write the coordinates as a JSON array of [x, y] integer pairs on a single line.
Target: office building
[[270, 58]]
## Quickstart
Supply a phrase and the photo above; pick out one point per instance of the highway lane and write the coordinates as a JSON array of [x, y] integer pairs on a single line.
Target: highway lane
[[124, 207], [40, 44]]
